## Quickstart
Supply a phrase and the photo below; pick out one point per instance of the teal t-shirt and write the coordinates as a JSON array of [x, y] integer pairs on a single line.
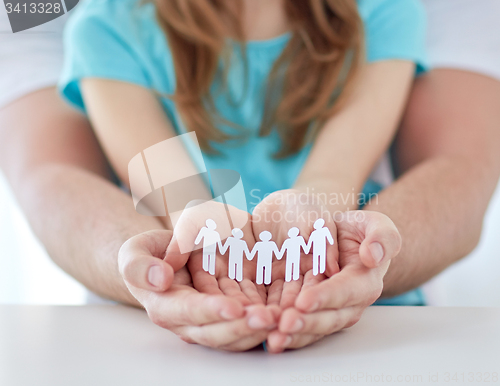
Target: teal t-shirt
[[121, 40]]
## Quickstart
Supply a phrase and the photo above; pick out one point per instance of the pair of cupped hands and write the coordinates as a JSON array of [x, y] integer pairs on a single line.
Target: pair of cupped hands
[[222, 313]]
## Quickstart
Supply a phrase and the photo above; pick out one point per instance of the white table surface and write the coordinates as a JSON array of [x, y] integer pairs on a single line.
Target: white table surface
[[114, 345]]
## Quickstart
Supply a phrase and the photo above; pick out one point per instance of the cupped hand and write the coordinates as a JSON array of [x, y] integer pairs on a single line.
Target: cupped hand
[[367, 243], [183, 250], [207, 316], [278, 213]]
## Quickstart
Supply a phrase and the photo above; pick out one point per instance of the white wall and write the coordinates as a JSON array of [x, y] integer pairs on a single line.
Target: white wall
[[475, 280], [27, 275]]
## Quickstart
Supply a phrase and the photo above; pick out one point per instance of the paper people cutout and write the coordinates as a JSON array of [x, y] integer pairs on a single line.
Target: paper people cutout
[[211, 239], [264, 250], [237, 247], [317, 240], [292, 247]]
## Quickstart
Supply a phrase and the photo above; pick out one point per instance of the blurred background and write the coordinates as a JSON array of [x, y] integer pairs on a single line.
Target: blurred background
[[28, 276]]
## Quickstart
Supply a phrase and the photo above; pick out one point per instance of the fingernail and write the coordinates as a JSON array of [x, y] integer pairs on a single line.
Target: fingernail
[[377, 251], [298, 325], [288, 341], [155, 276], [227, 315], [256, 323], [314, 307]]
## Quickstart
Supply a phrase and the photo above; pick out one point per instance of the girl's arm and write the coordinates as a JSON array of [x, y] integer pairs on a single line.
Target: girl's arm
[[349, 145], [128, 119]]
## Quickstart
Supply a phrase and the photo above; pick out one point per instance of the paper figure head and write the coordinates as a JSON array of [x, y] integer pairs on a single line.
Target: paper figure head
[[211, 224], [293, 232], [265, 236], [237, 233], [319, 223]]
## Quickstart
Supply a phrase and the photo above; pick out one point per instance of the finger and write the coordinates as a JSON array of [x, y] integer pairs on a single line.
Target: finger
[[354, 285], [310, 279], [318, 323], [246, 343], [262, 290], [183, 305], [140, 261], [382, 240], [274, 292], [257, 322], [182, 244], [277, 342], [255, 293], [203, 281], [290, 291], [256, 339], [231, 288]]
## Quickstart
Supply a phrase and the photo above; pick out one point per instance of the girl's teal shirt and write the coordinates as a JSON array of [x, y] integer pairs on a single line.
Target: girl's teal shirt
[[122, 40]]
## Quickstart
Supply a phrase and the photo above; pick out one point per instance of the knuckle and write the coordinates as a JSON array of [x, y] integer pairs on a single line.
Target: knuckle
[[158, 319], [128, 271], [355, 319], [124, 258], [374, 296], [335, 326], [395, 239]]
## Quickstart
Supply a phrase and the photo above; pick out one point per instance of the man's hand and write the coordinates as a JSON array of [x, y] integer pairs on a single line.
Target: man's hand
[[210, 318], [367, 243]]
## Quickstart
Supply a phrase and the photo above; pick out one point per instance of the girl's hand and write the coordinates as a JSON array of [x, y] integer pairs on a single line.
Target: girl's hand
[[367, 242], [184, 250], [279, 212], [212, 319]]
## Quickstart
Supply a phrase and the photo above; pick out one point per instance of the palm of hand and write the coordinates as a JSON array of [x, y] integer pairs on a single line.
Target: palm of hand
[[245, 291], [280, 293], [293, 210], [185, 233]]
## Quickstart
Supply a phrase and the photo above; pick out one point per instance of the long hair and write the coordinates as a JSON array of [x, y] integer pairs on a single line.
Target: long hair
[[307, 83]]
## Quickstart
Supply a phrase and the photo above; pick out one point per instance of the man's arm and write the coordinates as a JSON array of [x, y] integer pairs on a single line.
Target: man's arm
[[447, 150], [61, 180]]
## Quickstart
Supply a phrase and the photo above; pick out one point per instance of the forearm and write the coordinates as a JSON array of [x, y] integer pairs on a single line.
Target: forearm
[[439, 214], [59, 177], [351, 143], [447, 149], [82, 220]]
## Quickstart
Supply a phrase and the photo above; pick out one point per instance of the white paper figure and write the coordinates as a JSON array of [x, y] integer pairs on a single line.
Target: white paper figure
[[292, 247], [237, 247], [317, 240], [211, 239], [264, 250]]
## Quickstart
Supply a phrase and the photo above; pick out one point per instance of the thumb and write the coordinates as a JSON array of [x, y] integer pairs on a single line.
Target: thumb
[[140, 261], [382, 240]]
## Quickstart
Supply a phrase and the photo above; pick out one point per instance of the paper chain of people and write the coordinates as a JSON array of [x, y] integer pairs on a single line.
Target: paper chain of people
[[264, 249]]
